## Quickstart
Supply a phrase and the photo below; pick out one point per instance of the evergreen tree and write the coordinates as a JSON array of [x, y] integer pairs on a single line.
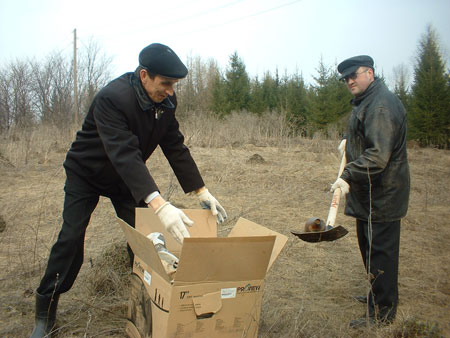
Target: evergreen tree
[[329, 98], [237, 89], [257, 104], [270, 88], [218, 97], [294, 102], [429, 118]]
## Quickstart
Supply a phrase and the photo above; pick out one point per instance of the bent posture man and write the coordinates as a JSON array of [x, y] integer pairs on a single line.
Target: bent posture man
[[377, 181], [126, 121]]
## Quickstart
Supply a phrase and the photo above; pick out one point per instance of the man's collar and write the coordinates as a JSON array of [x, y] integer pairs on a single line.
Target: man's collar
[[144, 100], [358, 99]]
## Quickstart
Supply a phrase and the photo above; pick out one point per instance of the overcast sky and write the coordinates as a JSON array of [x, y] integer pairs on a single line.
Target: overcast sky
[[267, 34]]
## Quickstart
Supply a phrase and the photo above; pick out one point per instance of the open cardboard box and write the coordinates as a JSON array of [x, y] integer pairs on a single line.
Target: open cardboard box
[[218, 286]]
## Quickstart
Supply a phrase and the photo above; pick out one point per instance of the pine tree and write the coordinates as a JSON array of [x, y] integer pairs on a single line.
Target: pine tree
[[294, 102], [270, 87], [256, 104], [237, 89], [429, 117], [329, 98], [219, 103]]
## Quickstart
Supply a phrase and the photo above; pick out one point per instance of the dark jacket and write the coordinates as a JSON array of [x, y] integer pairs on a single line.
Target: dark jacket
[[121, 130], [377, 164]]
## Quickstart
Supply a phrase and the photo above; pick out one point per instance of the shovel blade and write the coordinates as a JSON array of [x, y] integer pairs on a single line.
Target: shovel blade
[[329, 235]]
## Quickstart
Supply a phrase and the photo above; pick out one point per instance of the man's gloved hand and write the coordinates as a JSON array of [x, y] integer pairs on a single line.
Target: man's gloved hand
[[174, 220], [207, 201], [341, 147], [340, 183]]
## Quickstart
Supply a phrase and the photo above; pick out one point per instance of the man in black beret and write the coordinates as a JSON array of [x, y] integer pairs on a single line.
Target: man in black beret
[[376, 182], [125, 123]]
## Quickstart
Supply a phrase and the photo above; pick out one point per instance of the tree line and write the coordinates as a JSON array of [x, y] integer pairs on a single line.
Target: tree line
[[307, 108], [34, 92]]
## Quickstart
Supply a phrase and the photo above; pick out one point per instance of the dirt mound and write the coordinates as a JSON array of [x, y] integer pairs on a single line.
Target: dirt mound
[[256, 159]]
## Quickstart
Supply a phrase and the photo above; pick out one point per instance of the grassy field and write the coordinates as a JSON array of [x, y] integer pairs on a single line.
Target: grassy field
[[257, 171]]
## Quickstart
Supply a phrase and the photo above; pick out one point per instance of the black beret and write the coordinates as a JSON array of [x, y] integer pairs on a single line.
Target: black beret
[[162, 60], [352, 64]]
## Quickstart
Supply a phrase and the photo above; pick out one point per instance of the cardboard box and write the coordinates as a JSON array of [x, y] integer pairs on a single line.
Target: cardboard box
[[218, 287]]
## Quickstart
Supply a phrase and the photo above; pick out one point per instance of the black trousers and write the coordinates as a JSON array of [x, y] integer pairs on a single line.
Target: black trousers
[[379, 248], [66, 255]]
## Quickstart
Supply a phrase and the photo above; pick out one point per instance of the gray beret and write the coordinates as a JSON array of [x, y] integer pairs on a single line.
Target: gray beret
[[162, 60], [352, 64]]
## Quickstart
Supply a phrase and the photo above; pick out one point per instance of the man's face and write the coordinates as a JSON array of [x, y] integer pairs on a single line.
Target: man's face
[[358, 81], [157, 88]]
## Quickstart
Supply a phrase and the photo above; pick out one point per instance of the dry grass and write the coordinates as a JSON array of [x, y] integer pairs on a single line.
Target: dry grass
[[258, 172]]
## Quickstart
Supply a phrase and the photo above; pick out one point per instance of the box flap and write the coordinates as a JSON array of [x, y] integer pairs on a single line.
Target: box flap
[[143, 247], [244, 227], [207, 305], [224, 259], [204, 225]]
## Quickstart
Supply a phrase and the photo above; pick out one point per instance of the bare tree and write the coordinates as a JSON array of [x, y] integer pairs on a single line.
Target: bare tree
[[42, 86], [401, 87], [93, 73], [61, 90], [21, 93], [5, 101], [186, 89], [195, 91], [42, 92], [401, 77]]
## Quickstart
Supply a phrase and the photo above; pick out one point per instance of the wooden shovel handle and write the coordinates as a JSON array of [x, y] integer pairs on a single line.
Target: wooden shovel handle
[[337, 194]]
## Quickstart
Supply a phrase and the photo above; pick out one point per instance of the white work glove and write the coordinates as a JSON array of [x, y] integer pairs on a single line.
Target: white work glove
[[169, 260], [174, 220], [340, 183], [341, 147], [207, 201]]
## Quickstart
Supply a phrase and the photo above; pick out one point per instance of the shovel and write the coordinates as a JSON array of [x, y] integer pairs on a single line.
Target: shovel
[[316, 230]]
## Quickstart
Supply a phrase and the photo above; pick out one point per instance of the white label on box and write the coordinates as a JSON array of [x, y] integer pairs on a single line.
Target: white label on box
[[228, 293], [147, 277]]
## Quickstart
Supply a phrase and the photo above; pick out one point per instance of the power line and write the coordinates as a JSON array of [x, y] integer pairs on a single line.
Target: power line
[[62, 45], [200, 14], [212, 10], [242, 18], [182, 18]]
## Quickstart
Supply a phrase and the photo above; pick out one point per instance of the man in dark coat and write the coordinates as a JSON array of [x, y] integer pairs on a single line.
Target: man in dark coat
[[376, 182], [125, 123]]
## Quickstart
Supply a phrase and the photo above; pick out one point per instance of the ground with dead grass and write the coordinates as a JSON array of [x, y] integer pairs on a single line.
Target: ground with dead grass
[[268, 178]]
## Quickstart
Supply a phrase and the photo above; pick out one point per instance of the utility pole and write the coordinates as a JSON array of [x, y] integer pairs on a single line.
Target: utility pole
[[75, 77]]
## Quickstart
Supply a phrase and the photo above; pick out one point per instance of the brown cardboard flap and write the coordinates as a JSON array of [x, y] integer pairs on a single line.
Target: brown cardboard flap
[[224, 259], [143, 248], [204, 225], [207, 305], [244, 227]]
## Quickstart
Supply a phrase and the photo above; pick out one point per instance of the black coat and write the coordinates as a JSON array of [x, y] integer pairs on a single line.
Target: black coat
[[377, 164], [121, 130]]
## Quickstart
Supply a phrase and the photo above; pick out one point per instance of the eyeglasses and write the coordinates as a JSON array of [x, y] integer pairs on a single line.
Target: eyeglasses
[[353, 75]]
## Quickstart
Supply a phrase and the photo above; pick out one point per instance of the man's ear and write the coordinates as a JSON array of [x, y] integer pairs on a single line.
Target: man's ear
[[142, 74]]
